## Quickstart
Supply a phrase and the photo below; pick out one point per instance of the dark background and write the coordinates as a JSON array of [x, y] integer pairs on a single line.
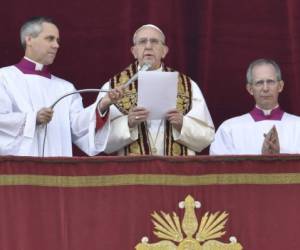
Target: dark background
[[213, 41]]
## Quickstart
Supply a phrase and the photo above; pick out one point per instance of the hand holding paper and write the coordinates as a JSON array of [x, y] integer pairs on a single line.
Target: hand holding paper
[[175, 118]]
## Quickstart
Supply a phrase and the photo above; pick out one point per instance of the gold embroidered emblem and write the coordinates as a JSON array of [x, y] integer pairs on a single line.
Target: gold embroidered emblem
[[169, 229]]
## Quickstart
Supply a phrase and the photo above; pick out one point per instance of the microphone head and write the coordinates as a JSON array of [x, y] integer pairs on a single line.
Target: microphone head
[[145, 67]]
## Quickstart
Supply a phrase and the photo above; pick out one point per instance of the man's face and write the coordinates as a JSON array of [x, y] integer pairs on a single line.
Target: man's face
[[149, 47], [265, 88], [44, 47]]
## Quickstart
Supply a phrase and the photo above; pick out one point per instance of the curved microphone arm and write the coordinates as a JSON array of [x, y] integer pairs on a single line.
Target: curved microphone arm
[[62, 97], [144, 67], [76, 92]]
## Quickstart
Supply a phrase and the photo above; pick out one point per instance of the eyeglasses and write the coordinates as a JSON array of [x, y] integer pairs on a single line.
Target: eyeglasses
[[269, 82], [144, 41]]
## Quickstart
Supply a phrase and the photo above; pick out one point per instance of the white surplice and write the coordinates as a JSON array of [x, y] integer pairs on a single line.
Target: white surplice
[[22, 95], [197, 130], [242, 135]]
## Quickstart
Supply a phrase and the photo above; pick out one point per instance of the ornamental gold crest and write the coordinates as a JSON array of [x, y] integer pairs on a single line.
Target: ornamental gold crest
[[203, 237]]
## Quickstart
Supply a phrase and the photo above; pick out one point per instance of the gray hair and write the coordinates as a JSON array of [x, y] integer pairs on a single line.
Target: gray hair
[[33, 27], [263, 61], [149, 26]]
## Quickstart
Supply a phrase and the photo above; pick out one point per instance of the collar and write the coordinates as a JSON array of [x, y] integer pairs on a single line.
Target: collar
[[262, 115], [28, 66]]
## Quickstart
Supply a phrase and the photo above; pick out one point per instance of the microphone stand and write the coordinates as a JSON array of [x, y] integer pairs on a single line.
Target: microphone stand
[[145, 67], [62, 97]]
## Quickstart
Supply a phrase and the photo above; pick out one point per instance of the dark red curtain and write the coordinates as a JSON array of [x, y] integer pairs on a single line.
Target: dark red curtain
[[212, 41], [107, 202]]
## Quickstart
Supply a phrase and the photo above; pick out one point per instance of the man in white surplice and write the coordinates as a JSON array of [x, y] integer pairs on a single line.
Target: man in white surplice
[[267, 129], [27, 90], [184, 131]]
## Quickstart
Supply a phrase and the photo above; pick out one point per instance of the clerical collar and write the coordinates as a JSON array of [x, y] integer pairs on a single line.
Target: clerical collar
[[262, 115], [28, 66]]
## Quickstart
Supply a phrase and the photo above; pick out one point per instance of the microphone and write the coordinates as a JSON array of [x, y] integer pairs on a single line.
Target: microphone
[[145, 67]]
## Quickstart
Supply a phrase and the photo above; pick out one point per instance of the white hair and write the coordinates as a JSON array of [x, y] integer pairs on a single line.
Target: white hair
[[263, 61], [33, 27], [148, 26]]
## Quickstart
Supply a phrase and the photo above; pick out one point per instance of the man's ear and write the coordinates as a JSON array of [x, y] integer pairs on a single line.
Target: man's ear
[[133, 52], [28, 40], [249, 88], [165, 52], [281, 86]]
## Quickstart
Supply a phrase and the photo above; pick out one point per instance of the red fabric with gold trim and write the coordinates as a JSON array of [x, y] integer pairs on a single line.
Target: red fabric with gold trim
[[106, 202]]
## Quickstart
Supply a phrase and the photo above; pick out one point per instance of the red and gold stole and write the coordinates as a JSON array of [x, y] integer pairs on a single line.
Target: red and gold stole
[[142, 145]]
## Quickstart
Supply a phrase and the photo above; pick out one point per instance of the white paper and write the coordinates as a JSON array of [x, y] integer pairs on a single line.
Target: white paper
[[157, 92]]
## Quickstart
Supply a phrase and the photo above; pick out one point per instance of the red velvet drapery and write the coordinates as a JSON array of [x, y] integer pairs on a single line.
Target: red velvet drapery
[[212, 41], [106, 203]]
